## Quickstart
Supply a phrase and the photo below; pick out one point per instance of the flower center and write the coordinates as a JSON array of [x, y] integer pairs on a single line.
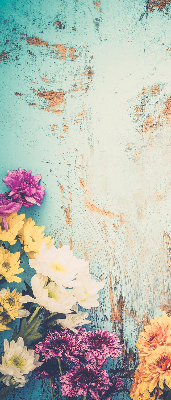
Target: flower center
[[10, 301], [86, 293], [16, 361], [52, 295], [2, 226], [57, 267], [6, 265], [164, 363]]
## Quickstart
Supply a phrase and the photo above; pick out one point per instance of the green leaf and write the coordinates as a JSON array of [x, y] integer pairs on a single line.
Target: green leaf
[[5, 390], [28, 331]]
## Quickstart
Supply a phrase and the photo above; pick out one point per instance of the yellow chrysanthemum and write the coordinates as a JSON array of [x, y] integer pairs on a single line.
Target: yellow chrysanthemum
[[10, 304], [4, 319], [32, 237], [140, 386], [9, 265], [15, 223], [158, 332]]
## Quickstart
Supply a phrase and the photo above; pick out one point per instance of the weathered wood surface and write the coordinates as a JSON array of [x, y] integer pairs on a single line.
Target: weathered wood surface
[[86, 102]]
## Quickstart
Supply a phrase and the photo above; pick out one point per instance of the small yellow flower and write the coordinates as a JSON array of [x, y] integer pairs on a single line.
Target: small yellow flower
[[9, 265], [4, 319], [15, 223], [32, 237], [9, 303]]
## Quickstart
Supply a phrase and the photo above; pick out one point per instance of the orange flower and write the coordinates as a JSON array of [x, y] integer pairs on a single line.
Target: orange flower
[[158, 332]]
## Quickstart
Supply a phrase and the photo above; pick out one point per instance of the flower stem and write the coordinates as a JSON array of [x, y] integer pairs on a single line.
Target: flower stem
[[84, 397], [34, 314], [2, 377], [59, 363], [51, 389]]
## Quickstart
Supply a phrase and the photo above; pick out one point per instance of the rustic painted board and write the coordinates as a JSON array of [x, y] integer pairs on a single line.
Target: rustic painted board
[[86, 102]]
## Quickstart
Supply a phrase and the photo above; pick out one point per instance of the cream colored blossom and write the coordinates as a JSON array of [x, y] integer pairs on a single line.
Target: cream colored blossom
[[60, 265], [51, 296], [17, 362]]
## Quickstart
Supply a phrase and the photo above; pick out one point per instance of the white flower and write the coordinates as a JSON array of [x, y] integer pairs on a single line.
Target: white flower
[[58, 264], [53, 297], [87, 289], [74, 320], [17, 362]]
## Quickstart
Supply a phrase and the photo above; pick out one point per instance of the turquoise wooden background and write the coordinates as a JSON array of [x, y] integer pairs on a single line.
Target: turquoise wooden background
[[85, 101]]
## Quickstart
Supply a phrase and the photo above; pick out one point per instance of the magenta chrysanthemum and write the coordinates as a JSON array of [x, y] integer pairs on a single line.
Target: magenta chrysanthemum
[[115, 385], [101, 345], [24, 187], [49, 369], [8, 206], [63, 344], [85, 380]]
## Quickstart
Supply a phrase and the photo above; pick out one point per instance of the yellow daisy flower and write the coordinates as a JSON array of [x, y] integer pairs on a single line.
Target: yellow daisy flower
[[15, 223], [140, 386], [9, 265], [4, 319], [32, 237], [9, 302]]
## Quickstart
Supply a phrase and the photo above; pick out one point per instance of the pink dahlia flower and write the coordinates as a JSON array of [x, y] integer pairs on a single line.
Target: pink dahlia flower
[[49, 370], [101, 345], [8, 206], [24, 187], [61, 344], [115, 385], [85, 380]]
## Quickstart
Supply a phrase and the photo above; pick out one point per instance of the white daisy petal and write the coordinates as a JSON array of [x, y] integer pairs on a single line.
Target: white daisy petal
[[17, 362]]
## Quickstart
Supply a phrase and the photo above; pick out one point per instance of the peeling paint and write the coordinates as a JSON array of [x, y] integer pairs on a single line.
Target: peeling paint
[[68, 216], [92, 207], [157, 4], [98, 6], [3, 56], [55, 100], [71, 53]]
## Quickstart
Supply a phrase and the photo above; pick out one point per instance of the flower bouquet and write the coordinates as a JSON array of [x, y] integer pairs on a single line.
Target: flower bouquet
[[50, 339]]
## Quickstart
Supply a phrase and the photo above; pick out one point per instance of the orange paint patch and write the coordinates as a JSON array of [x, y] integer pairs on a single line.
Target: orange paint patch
[[159, 4], [68, 216], [55, 100], [167, 110], [3, 56], [148, 124], [32, 104], [58, 23], [71, 53], [36, 41], [92, 207], [54, 128], [65, 128], [44, 79], [98, 6], [61, 51], [18, 94]]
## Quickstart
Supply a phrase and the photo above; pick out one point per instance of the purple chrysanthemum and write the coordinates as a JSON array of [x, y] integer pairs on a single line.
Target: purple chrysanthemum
[[115, 385], [85, 380], [8, 206], [49, 369], [24, 187], [63, 344], [101, 345]]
